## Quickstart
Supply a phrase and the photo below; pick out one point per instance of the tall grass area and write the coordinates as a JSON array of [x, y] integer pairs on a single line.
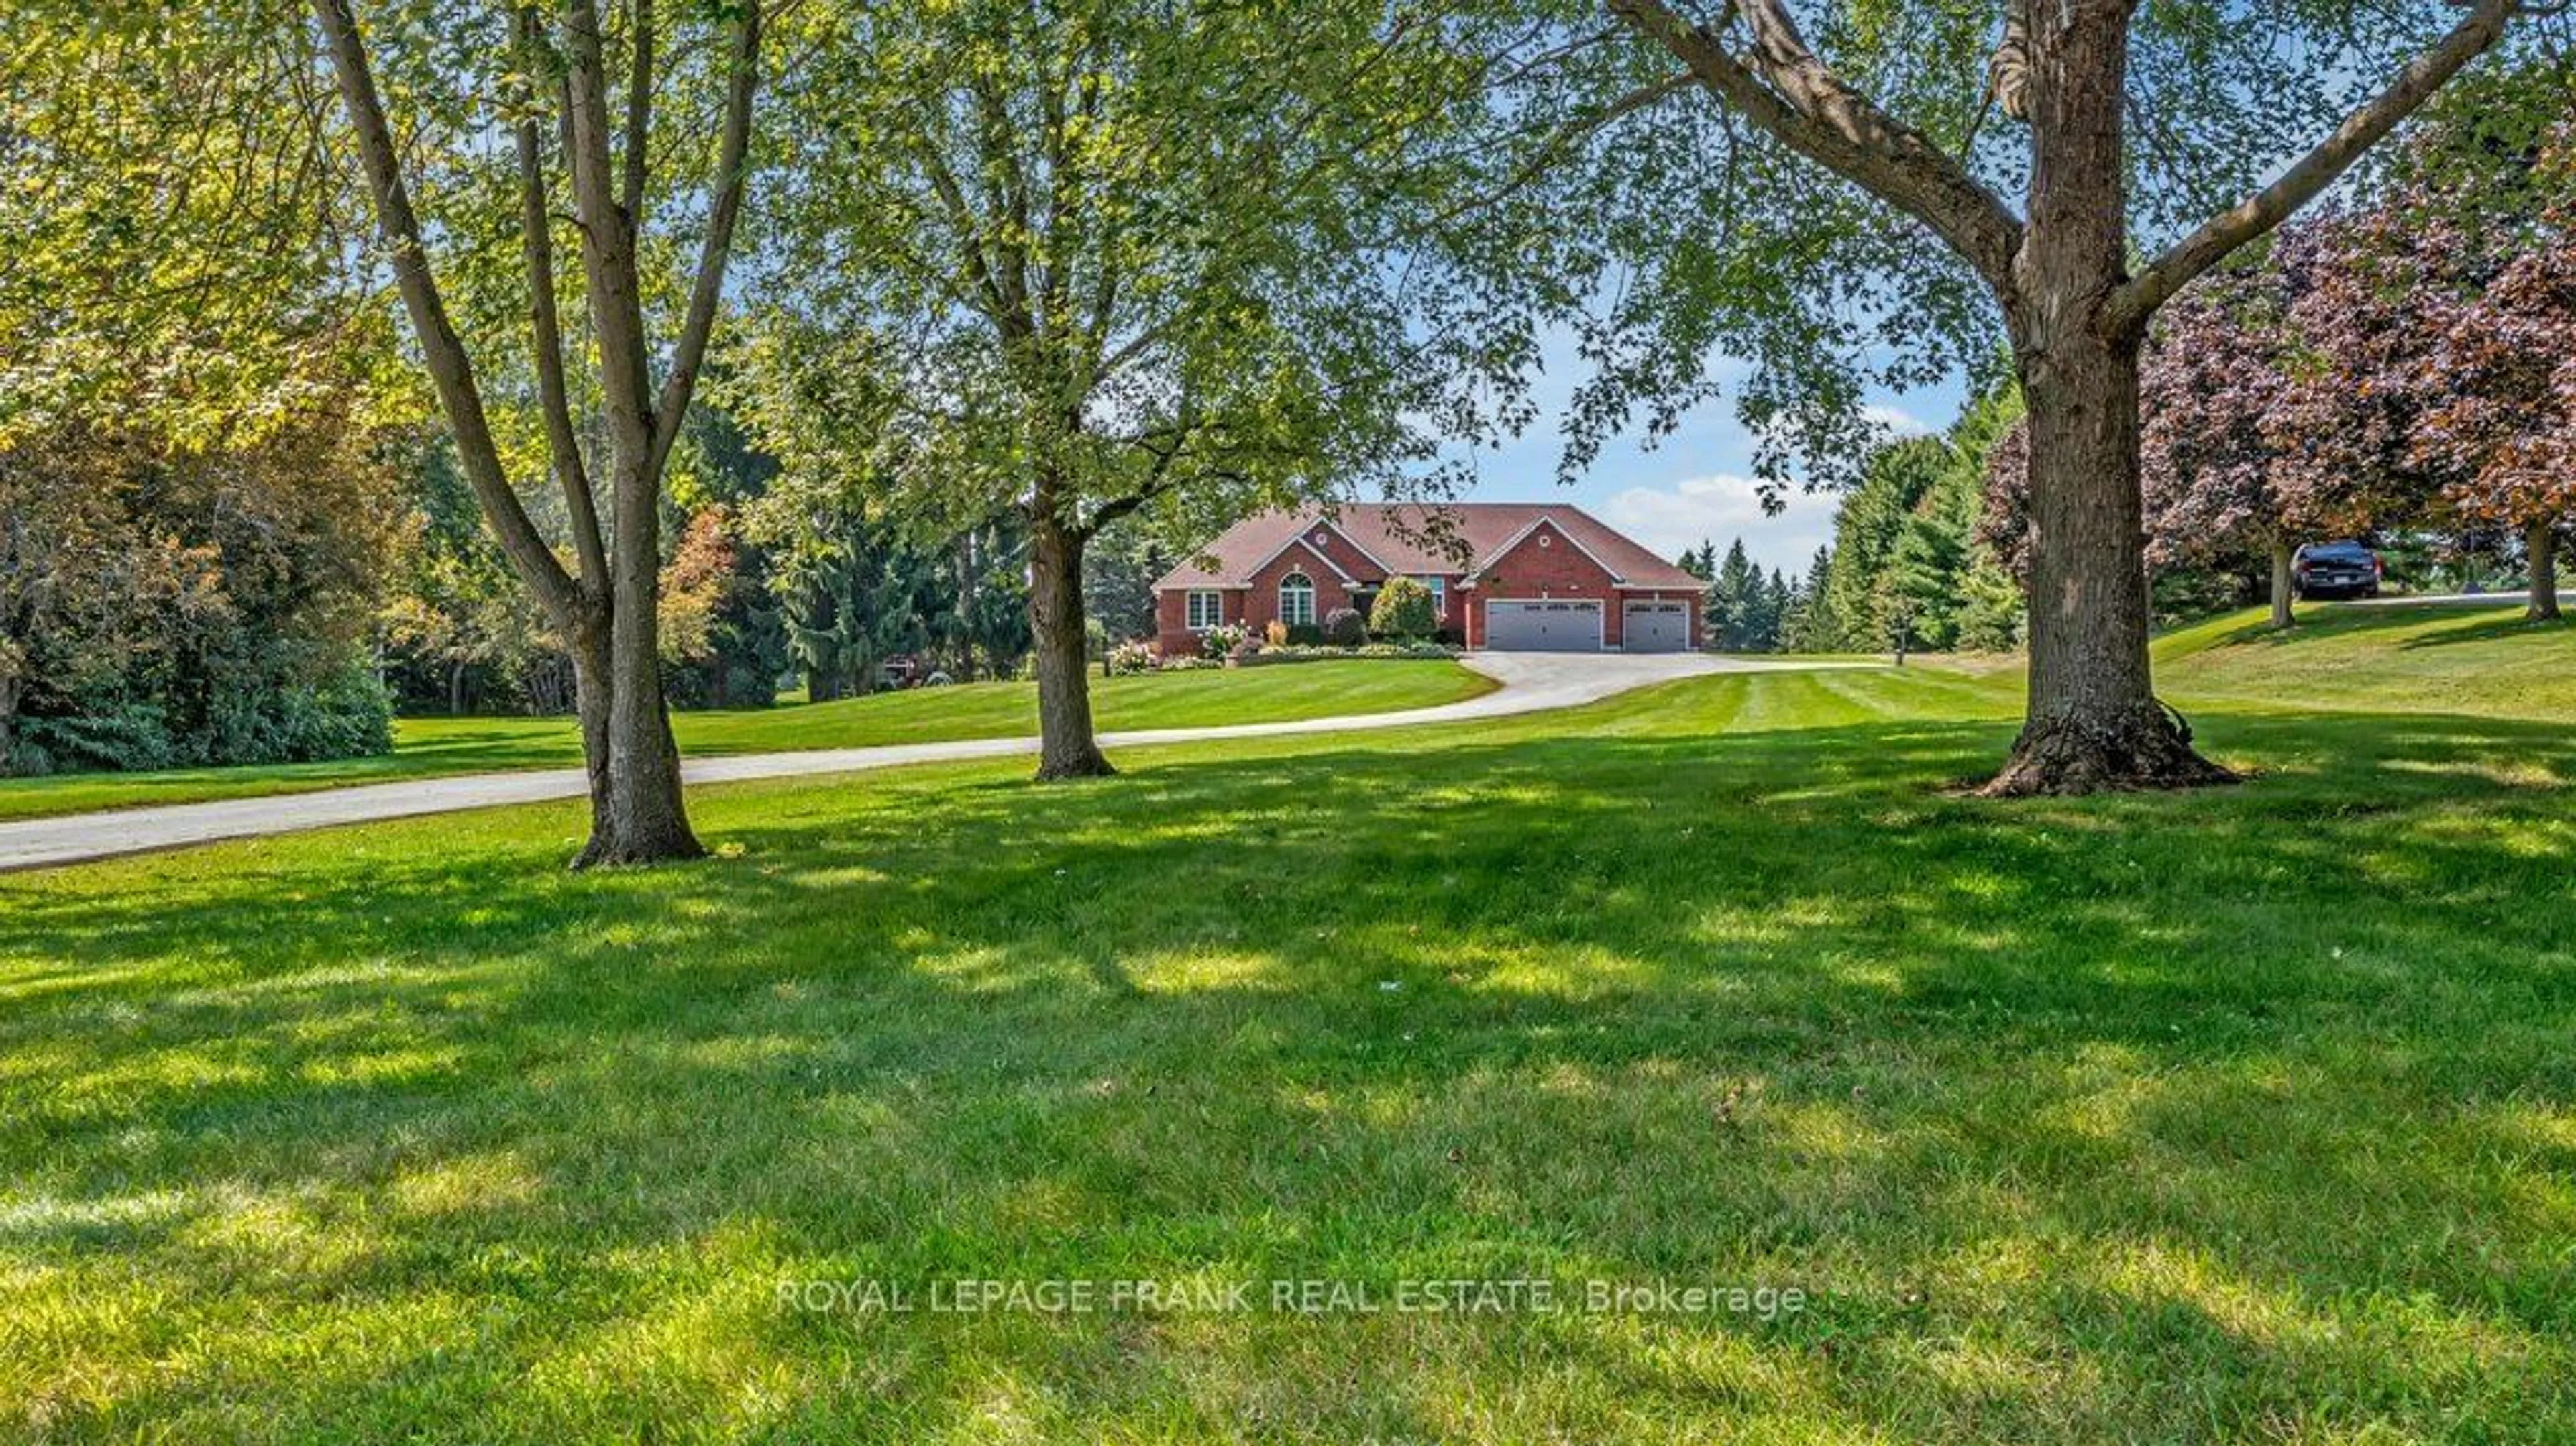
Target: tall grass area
[[431, 747], [2246, 1114]]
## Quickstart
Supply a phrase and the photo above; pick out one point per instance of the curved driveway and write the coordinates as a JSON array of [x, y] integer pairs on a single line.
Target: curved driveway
[[1531, 683]]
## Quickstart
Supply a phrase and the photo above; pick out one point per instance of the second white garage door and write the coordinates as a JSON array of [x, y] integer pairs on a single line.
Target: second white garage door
[[1655, 627], [1543, 627]]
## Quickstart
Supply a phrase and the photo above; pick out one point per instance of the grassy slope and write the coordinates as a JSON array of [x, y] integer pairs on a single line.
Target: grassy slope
[[2483, 661], [430, 746], [2245, 1114]]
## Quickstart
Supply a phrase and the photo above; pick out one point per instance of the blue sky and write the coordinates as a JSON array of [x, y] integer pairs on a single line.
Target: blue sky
[[1696, 483]]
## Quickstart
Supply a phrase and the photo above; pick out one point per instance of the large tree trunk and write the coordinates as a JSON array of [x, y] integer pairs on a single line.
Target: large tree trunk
[[593, 684], [647, 819], [2540, 542], [1066, 748], [636, 806], [2284, 555], [2093, 721], [2075, 312]]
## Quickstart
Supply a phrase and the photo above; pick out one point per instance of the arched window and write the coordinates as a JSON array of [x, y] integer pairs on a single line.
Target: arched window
[[1297, 600]]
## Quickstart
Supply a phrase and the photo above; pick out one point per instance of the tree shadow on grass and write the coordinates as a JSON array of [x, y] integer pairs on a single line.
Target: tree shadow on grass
[[2117, 1118], [2315, 621], [2486, 629]]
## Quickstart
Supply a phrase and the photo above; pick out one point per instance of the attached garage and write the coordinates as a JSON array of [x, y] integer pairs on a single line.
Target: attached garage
[[1655, 627], [1543, 627]]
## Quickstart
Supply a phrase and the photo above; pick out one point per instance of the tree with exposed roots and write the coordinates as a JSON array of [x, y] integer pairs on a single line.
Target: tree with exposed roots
[[546, 85], [2097, 189]]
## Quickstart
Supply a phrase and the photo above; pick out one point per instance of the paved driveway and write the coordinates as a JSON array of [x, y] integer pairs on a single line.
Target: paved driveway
[[2457, 600], [1531, 682]]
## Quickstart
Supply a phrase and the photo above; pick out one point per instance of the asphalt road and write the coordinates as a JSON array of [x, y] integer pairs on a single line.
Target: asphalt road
[[1531, 683]]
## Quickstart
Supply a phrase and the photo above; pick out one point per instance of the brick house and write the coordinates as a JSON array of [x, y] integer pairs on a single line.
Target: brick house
[[1506, 576]]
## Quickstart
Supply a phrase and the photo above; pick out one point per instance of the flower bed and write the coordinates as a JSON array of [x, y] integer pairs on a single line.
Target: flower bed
[[1269, 653]]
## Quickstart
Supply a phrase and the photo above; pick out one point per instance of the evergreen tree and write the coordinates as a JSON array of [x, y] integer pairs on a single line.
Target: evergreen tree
[[1894, 481], [1778, 597], [1908, 550], [746, 646], [1734, 601], [1919, 594], [1809, 625], [987, 627], [1118, 572], [855, 597]]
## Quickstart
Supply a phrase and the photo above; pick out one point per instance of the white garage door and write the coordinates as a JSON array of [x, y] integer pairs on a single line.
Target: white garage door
[[1543, 627], [1655, 627]]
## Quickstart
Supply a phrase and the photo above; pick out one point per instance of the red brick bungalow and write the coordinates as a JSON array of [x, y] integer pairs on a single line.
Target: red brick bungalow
[[1506, 576]]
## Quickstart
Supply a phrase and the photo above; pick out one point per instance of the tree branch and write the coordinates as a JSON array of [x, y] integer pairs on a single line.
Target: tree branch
[[1574, 130], [733, 174], [1008, 197], [451, 371], [536, 244], [2130, 307], [970, 241], [1159, 476], [607, 248], [639, 113], [1782, 88]]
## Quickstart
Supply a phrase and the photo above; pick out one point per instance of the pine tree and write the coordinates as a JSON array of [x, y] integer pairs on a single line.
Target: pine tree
[[1810, 626], [1734, 599], [1919, 593], [1777, 599]]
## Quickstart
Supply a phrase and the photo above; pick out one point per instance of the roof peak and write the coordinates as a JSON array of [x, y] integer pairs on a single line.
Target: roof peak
[[1444, 536]]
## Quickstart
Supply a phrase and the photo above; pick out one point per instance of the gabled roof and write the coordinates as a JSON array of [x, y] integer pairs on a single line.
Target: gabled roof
[[1452, 539], [1484, 563], [1299, 538]]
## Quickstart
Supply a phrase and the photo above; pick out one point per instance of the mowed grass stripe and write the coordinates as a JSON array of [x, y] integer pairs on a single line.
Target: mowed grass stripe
[[2238, 1115], [431, 747]]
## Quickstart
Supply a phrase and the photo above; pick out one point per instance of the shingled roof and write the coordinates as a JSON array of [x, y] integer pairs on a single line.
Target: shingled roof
[[1427, 538]]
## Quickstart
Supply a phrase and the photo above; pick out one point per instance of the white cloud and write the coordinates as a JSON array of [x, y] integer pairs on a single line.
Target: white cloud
[[1897, 422], [1674, 518]]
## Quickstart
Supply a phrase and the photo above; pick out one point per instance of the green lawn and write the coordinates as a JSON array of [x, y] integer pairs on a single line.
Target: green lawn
[[2242, 1115], [2481, 662], [2391, 659], [431, 746]]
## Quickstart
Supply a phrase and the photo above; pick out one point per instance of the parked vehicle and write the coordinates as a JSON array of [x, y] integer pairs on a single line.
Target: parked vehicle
[[2337, 569]]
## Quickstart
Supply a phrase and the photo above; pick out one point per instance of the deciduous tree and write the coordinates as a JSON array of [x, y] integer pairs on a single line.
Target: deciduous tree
[[550, 87], [1079, 261], [2229, 390], [2505, 420], [2136, 116]]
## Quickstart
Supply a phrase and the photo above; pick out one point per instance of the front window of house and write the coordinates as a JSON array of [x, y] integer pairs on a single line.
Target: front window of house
[[1206, 609], [1297, 600], [1439, 595]]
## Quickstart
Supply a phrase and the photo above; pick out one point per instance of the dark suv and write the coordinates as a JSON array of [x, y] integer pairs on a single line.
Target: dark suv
[[2337, 569]]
